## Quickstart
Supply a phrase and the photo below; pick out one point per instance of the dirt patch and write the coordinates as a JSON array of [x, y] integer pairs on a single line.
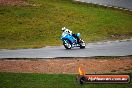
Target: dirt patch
[[17, 3], [120, 36], [13, 2], [70, 65]]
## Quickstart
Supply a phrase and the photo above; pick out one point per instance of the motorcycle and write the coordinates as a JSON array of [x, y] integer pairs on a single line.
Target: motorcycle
[[70, 42]]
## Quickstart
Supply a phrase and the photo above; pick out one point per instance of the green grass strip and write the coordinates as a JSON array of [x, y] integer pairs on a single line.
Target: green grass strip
[[29, 80], [40, 25]]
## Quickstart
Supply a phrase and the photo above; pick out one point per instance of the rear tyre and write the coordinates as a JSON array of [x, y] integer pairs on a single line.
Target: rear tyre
[[82, 44]]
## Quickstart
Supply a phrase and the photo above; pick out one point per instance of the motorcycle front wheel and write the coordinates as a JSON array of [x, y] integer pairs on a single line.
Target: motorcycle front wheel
[[67, 44]]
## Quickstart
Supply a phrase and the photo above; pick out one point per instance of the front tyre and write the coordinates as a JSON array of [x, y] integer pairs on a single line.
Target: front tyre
[[67, 44]]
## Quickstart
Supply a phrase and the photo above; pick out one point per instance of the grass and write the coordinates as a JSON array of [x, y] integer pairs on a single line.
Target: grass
[[40, 25], [29, 80]]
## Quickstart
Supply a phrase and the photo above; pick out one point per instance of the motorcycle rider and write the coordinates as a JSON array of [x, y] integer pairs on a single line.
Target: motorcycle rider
[[67, 31]]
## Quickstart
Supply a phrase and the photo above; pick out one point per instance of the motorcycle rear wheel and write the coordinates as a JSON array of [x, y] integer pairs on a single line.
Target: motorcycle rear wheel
[[82, 44]]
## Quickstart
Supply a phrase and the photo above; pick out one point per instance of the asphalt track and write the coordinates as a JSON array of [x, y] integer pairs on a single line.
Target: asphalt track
[[115, 3], [110, 48]]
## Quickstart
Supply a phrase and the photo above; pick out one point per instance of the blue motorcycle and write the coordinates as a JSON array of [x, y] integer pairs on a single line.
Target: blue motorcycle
[[70, 42]]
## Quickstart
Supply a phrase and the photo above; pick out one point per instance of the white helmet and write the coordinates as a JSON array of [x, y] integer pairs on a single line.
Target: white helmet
[[63, 29]]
